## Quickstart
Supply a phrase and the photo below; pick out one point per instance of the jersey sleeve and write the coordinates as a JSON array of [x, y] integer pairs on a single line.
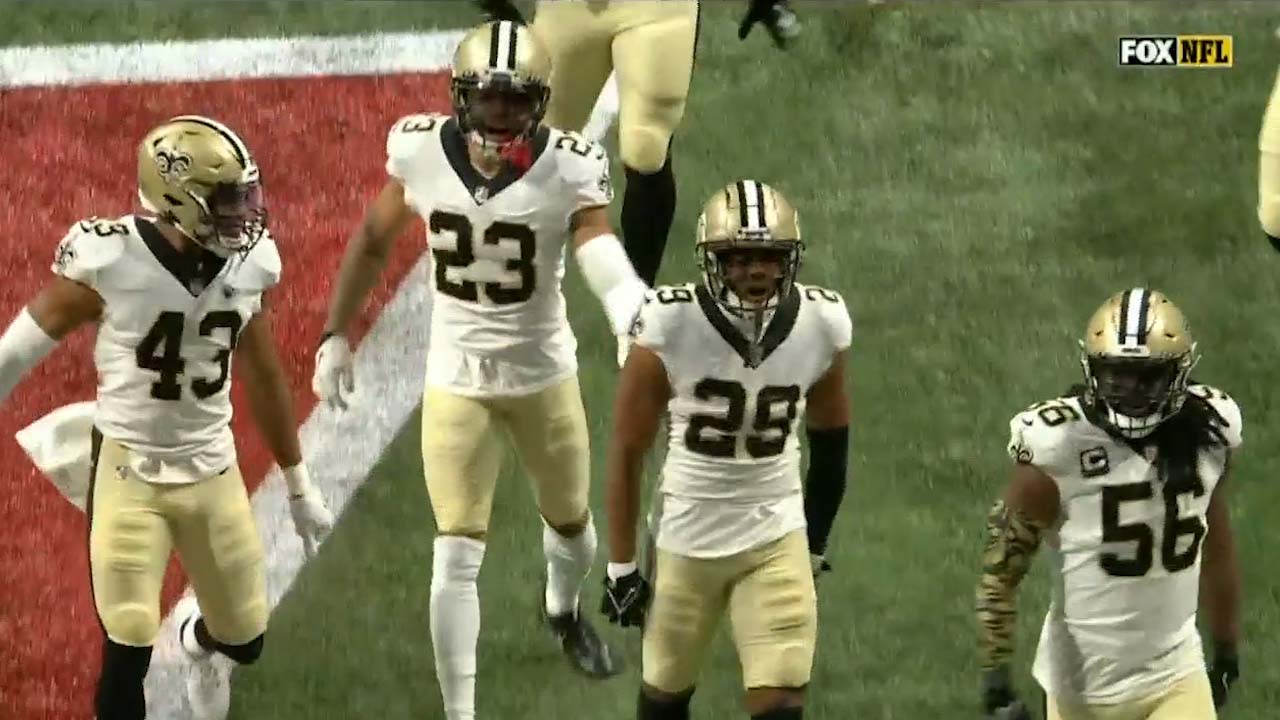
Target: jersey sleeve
[[1228, 410], [654, 327], [585, 166], [839, 324], [406, 139], [88, 249], [1039, 436]]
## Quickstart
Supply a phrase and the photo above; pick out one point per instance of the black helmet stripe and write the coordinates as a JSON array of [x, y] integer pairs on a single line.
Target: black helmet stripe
[[1133, 317], [502, 46], [751, 205], [242, 152]]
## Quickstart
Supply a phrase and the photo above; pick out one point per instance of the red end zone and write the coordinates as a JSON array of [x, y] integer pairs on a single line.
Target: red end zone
[[70, 153]]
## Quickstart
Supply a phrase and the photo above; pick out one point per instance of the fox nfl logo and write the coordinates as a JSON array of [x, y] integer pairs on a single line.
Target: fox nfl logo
[[1177, 51]]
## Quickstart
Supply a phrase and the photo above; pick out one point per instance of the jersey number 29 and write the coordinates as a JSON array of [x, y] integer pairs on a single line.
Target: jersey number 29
[[464, 255], [724, 443], [161, 351]]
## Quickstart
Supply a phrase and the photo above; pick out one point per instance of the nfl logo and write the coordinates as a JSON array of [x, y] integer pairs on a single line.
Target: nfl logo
[[481, 194]]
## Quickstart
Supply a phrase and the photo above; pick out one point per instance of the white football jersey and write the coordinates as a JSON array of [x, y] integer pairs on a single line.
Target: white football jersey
[[165, 341], [1126, 549], [498, 320], [731, 480]]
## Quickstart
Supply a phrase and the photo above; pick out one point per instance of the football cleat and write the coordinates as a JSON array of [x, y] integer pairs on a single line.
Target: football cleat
[[208, 673], [588, 653]]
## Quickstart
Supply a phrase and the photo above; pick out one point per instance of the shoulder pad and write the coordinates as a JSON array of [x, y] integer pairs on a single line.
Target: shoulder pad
[[584, 165], [261, 268], [654, 324], [89, 246], [1228, 410], [1041, 435], [406, 137], [831, 308]]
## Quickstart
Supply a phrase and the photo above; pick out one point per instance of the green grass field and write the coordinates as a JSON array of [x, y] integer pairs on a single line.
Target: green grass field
[[974, 179]]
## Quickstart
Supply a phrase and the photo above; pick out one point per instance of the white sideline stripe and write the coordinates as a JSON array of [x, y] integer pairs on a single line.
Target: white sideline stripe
[[390, 360], [226, 59]]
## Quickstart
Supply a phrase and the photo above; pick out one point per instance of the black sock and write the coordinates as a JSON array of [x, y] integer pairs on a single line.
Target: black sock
[[791, 713], [648, 208], [119, 695], [649, 709]]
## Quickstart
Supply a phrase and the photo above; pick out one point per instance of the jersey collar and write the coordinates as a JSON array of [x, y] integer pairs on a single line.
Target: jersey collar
[[481, 188], [194, 272], [784, 319]]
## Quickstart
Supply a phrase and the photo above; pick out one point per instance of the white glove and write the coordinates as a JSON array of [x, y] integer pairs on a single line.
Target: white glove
[[334, 374], [311, 517]]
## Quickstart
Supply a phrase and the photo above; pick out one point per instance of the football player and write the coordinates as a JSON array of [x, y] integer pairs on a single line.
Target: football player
[[502, 195], [175, 295], [1269, 168], [1125, 480], [734, 361], [651, 45]]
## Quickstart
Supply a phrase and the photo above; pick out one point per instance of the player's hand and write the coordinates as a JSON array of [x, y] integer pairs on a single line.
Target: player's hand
[[495, 10], [1223, 672], [778, 19], [626, 599], [311, 519], [334, 376], [819, 565], [998, 699]]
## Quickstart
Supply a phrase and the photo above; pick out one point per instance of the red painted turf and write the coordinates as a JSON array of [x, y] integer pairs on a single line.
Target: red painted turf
[[68, 154]]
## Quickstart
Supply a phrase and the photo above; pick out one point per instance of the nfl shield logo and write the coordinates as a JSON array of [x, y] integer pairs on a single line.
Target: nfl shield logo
[[481, 194]]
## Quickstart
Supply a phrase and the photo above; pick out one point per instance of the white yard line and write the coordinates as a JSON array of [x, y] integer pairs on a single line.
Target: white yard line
[[341, 447]]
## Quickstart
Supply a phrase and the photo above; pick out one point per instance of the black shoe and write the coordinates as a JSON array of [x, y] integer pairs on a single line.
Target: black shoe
[[586, 650]]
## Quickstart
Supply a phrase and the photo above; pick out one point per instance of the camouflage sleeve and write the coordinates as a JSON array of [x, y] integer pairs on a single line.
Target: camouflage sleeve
[[1012, 541]]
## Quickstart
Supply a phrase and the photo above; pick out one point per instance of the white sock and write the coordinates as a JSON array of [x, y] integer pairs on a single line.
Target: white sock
[[568, 562], [455, 621]]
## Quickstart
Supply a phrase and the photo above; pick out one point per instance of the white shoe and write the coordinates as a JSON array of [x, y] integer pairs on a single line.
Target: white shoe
[[208, 673], [624, 348]]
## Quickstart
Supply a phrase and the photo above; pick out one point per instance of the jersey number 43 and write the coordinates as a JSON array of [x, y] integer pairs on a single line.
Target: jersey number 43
[[723, 442], [161, 351]]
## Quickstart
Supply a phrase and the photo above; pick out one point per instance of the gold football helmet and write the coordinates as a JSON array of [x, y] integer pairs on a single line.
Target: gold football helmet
[[198, 175], [1137, 355], [741, 224], [501, 84]]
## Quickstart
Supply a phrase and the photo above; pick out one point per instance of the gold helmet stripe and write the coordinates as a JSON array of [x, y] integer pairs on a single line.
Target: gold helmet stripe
[[502, 46], [751, 205], [242, 152]]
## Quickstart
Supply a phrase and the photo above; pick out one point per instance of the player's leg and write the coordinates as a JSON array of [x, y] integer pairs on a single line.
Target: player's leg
[[461, 459], [218, 543], [580, 60], [653, 56], [1191, 698], [129, 548], [1056, 709], [689, 596], [774, 611], [549, 431], [1269, 168]]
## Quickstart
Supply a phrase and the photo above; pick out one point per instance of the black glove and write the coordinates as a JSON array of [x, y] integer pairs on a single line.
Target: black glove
[[999, 702], [626, 599], [496, 10], [778, 19], [819, 565], [1223, 672]]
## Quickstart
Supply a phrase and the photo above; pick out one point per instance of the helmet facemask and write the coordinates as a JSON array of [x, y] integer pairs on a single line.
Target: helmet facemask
[[1137, 394], [749, 279], [498, 113]]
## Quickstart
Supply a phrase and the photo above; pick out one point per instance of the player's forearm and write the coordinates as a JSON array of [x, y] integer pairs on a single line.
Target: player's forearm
[[270, 402], [22, 346], [622, 502], [361, 267], [825, 482], [1222, 592], [1012, 541]]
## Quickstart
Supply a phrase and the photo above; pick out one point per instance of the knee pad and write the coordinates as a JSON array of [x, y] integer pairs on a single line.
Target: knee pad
[[671, 708], [119, 695], [456, 561], [246, 654], [791, 713], [643, 146], [131, 624]]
